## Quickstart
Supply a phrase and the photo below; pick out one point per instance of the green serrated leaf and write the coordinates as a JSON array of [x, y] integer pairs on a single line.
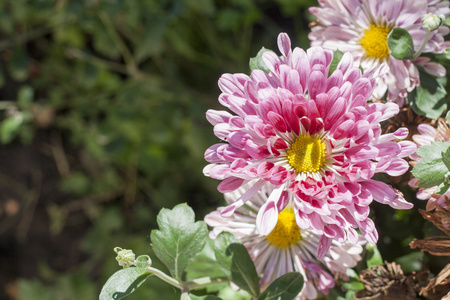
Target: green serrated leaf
[[221, 243], [442, 188], [400, 43], [446, 158], [256, 63], [123, 282], [179, 238], [375, 258], [353, 285], [285, 287], [205, 263], [447, 116], [236, 262], [337, 56], [431, 169], [428, 99]]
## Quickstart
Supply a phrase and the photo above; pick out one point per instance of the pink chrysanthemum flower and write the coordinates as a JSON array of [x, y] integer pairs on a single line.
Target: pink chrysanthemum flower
[[311, 135], [427, 135], [362, 26], [287, 248]]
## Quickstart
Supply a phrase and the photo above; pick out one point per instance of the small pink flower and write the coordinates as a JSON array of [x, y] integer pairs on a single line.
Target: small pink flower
[[361, 27], [288, 248], [312, 136], [427, 135]]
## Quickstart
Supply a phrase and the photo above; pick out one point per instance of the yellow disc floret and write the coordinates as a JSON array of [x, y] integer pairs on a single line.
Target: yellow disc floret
[[374, 41], [286, 233], [307, 154]]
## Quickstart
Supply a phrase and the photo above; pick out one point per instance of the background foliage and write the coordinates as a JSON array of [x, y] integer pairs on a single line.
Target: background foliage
[[102, 124]]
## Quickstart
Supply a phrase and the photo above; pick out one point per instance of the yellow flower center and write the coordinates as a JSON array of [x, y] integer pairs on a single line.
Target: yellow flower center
[[374, 41], [307, 154], [286, 233]]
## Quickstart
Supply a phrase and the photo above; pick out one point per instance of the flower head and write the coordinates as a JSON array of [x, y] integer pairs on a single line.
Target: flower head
[[287, 248], [361, 27], [312, 136]]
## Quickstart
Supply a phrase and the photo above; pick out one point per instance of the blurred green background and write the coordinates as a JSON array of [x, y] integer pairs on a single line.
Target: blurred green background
[[102, 123]]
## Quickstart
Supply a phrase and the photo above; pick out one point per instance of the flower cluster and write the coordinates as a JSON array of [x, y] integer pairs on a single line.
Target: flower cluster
[[301, 139], [362, 27], [314, 137]]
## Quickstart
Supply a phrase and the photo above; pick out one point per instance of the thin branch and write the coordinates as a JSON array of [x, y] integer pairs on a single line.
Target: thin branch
[[126, 53], [113, 66]]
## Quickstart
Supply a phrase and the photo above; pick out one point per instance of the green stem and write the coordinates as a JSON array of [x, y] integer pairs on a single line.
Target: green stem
[[165, 277], [188, 285], [424, 43]]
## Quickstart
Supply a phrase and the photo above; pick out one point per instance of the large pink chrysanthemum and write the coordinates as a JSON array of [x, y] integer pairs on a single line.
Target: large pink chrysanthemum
[[311, 135], [361, 27], [427, 135], [287, 248]]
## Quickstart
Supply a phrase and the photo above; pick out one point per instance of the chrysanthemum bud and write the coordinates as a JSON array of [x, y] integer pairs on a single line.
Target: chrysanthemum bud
[[125, 257], [432, 22]]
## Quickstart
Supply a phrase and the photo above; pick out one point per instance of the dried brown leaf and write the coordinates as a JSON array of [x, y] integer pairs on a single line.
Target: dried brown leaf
[[436, 245]]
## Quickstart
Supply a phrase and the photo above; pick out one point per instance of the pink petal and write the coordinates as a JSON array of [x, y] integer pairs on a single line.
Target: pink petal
[[316, 84], [385, 194], [284, 44], [397, 167], [343, 130], [324, 245], [277, 121], [335, 112], [359, 153], [290, 116], [267, 218], [283, 201], [369, 231], [278, 175], [230, 209], [217, 116]]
